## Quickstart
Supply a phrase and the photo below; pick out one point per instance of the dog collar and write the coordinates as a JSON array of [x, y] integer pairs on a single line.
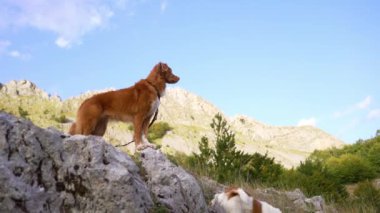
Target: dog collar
[[158, 92]]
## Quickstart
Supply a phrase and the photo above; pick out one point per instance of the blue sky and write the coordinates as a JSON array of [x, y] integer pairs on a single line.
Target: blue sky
[[283, 63]]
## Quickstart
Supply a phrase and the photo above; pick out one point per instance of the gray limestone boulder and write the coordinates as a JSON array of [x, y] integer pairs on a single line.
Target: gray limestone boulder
[[172, 186], [42, 170], [313, 204]]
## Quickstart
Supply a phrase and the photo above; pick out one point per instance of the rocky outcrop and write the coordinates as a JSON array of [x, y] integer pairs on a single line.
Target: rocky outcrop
[[43, 170], [25, 88], [313, 204], [174, 188]]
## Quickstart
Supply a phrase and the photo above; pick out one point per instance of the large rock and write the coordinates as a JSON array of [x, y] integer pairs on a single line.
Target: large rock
[[45, 171], [313, 204], [174, 188]]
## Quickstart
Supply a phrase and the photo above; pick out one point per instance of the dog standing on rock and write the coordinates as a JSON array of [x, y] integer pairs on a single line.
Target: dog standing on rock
[[136, 104]]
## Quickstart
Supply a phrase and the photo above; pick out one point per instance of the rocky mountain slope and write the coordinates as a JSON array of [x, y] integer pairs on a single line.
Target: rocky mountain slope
[[189, 116]]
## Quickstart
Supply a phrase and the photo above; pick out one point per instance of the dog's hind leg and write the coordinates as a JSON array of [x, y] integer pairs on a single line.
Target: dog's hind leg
[[86, 127], [73, 130], [101, 126], [88, 118]]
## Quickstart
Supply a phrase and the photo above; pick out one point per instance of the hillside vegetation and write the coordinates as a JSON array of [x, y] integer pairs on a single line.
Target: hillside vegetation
[[325, 173]]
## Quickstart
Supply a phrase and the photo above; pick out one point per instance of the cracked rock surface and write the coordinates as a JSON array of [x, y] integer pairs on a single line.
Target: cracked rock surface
[[42, 170], [172, 186]]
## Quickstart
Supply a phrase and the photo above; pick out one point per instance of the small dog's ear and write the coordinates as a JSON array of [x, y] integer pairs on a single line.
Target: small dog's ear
[[231, 194]]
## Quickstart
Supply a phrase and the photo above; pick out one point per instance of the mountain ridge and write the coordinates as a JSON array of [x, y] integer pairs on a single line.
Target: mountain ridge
[[190, 116]]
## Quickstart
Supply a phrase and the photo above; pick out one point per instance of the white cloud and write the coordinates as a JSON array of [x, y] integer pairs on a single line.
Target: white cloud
[[364, 104], [61, 42], [361, 105], [307, 122], [163, 5], [4, 51], [374, 114], [69, 19], [17, 54]]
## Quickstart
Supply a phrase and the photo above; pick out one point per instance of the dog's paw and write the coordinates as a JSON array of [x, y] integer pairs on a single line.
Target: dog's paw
[[150, 145], [153, 146], [143, 146], [140, 147]]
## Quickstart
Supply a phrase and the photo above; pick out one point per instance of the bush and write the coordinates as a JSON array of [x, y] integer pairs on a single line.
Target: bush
[[23, 113], [158, 130], [350, 168], [313, 179], [261, 168], [374, 157], [60, 119]]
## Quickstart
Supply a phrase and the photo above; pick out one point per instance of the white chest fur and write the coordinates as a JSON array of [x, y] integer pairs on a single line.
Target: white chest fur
[[154, 106]]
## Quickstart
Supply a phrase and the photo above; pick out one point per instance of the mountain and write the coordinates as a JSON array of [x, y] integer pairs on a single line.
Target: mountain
[[189, 116]]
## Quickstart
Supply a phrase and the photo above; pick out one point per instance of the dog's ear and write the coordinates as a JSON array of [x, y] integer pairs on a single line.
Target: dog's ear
[[231, 194], [163, 67]]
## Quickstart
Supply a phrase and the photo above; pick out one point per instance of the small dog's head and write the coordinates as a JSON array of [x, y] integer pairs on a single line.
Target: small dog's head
[[166, 73], [232, 200]]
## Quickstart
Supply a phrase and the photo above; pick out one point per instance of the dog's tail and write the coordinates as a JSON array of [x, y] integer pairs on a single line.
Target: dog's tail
[[73, 129]]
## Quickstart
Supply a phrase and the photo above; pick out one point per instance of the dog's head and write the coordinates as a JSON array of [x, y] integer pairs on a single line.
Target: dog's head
[[166, 73], [232, 200]]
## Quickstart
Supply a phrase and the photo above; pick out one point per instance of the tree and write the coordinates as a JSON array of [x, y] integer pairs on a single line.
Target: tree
[[226, 163]]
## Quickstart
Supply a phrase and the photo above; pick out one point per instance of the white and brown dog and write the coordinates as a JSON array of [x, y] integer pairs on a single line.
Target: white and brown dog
[[236, 200], [136, 104]]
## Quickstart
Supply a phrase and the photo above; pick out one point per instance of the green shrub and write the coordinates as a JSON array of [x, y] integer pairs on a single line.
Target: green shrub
[[60, 119], [374, 157], [350, 168], [158, 130], [130, 127], [23, 113], [313, 179], [367, 150], [261, 168]]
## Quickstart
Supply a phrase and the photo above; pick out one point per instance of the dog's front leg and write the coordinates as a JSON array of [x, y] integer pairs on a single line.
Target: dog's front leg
[[140, 139], [145, 127]]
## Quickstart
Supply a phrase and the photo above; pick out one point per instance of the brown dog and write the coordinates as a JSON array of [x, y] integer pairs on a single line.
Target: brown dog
[[136, 104]]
